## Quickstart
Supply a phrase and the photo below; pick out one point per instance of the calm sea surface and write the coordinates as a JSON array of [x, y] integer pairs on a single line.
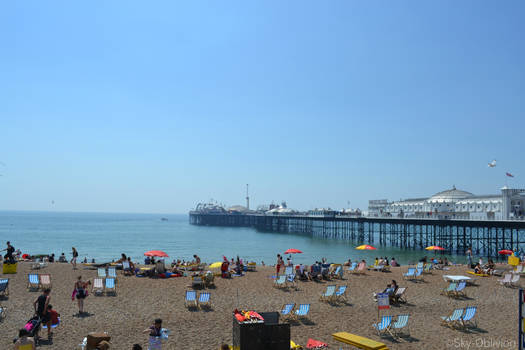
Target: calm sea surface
[[104, 236]]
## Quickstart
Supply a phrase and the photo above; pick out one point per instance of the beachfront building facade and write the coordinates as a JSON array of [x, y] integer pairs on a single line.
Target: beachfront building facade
[[458, 204]]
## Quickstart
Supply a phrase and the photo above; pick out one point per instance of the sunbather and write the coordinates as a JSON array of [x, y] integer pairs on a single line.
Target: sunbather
[[393, 262]]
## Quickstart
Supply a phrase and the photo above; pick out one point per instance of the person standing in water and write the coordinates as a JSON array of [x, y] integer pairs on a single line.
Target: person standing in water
[[74, 259]]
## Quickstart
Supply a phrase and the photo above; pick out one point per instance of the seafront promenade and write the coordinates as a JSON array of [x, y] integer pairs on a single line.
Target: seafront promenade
[[486, 237]]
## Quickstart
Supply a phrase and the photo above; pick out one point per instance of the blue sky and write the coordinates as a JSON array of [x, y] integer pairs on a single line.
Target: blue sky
[[125, 106]]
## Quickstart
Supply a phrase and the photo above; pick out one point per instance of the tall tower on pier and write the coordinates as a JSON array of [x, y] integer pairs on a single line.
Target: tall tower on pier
[[247, 198]]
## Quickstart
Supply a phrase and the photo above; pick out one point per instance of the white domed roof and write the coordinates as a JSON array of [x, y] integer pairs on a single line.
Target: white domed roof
[[452, 195]]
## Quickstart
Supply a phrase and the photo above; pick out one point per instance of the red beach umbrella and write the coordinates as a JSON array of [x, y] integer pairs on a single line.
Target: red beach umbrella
[[157, 253], [505, 252], [293, 251]]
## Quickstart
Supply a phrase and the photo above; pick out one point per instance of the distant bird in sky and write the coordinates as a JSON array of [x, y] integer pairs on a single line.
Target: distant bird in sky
[[492, 164]]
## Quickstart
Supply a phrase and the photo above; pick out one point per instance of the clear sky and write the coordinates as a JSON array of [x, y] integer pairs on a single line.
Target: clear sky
[[134, 106]]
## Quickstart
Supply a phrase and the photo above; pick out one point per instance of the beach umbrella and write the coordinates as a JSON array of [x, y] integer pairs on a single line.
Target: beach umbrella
[[365, 247], [505, 252], [215, 265], [157, 253], [434, 247], [293, 251]]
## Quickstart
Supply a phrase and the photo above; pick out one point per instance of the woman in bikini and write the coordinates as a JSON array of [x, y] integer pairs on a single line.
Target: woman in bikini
[[81, 293]]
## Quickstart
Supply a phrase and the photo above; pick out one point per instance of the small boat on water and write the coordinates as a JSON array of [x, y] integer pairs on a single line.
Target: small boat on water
[[163, 219]]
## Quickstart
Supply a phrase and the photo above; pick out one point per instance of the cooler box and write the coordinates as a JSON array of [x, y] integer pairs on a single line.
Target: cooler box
[[9, 268], [262, 336]]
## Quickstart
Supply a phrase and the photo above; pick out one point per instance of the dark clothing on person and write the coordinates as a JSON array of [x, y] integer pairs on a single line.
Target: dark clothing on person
[[41, 308]]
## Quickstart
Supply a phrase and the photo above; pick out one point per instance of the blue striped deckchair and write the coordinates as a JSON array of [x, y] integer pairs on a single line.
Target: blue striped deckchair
[[4, 286], [101, 272], [204, 300], [340, 294], [328, 295], [467, 318], [411, 273], [280, 281], [450, 289], [112, 272], [419, 273], [190, 299], [287, 311], [33, 282], [420, 265], [400, 325], [383, 326], [452, 320], [288, 270], [110, 286], [290, 278], [459, 291], [338, 273], [352, 268], [302, 311]]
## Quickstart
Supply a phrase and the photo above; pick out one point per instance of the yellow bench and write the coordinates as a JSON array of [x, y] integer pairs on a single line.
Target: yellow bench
[[358, 341]]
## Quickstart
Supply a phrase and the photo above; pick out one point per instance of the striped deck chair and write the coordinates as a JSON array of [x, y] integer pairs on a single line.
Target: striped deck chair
[[328, 295], [98, 286], [450, 289], [427, 269], [400, 327], [467, 319], [383, 326], [420, 265], [453, 319], [506, 279], [110, 286], [411, 273], [191, 299], [340, 294], [419, 274], [45, 281], [112, 272], [290, 279], [302, 311], [280, 281], [3, 312], [204, 300], [33, 282], [288, 270], [101, 272], [338, 273], [398, 297], [460, 289], [352, 268], [4, 286], [287, 311]]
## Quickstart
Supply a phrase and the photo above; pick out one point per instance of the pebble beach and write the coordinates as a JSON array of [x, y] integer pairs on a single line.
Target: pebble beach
[[141, 300]]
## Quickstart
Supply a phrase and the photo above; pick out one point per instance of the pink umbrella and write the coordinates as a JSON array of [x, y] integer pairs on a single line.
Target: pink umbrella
[[158, 253]]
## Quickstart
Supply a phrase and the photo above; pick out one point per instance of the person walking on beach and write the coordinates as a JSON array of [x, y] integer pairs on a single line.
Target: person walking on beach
[[41, 309], [8, 257], [74, 259], [469, 256], [80, 292]]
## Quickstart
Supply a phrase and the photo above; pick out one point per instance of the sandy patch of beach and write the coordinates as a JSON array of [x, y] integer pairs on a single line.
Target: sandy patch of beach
[[140, 300]]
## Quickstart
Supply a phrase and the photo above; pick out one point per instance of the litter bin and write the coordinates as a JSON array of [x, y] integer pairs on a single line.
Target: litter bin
[[261, 336], [9, 268]]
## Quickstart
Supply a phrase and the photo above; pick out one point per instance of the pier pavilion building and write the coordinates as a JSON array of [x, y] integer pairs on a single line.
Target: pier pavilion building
[[457, 204]]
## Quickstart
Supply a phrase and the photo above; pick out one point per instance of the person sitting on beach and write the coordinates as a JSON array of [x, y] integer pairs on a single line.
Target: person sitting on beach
[[225, 273], [489, 267], [393, 262], [197, 259], [24, 340], [376, 262], [62, 258], [131, 269], [348, 263], [51, 258], [123, 258], [85, 260], [423, 260], [386, 261], [477, 268]]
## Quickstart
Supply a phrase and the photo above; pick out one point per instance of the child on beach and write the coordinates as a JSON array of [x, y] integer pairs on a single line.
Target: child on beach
[[155, 334]]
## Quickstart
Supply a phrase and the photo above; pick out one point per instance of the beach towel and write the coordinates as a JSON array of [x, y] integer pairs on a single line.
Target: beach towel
[[315, 344]]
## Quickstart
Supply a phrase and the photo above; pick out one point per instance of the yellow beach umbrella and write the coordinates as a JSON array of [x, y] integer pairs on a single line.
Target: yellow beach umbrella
[[216, 265], [365, 247]]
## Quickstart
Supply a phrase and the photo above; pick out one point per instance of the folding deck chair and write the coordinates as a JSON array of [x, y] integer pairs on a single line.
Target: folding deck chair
[[45, 281], [112, 272], [452, 320], [352, 268], [411, 273], [33, 282], [338, 273], [467, 319], [280, 281], [328, 295], [101, 272], [506, 279], [287, 311], [340, 294], [398, 297], [98, 286], [460, 289], [4, 286], [204, 300], [450, 289], [191, 299], [383, 326], [110, 287], [400, 327], [302, 311]]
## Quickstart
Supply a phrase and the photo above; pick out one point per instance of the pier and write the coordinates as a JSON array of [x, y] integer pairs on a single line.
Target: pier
[[455, 236]]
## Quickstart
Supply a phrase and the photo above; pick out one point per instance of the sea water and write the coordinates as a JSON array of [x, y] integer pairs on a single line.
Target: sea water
[[104, 236]]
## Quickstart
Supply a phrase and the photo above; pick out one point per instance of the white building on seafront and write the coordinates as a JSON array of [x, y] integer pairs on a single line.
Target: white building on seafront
[[456, 204]]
